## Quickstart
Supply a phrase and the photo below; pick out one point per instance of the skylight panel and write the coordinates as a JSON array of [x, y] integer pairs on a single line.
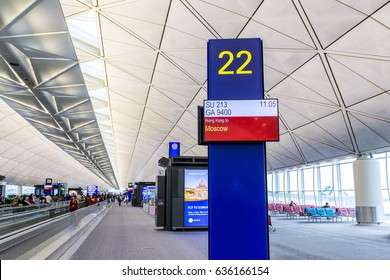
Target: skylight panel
[[84, 28]]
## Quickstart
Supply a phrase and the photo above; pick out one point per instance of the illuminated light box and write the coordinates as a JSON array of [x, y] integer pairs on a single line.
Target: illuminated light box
[[241, 120]]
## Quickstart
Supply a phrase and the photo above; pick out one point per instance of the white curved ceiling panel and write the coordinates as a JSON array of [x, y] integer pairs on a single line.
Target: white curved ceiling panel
[[368, 38], [368, 132], [374, 71], [382, 14], [376, 107], [367, 7], [215, 15], [331, 19], [312, 75], [291, 26], [273, 39]]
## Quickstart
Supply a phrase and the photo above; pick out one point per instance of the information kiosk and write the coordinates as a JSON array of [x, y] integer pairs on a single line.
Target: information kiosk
[[182, 194], [138, 197]]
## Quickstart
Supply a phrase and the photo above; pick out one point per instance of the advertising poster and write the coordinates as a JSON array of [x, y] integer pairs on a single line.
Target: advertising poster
[[92, 190], [196, 198], [148, 193]]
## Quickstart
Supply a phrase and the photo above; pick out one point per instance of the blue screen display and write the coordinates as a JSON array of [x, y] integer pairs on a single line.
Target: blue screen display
[[196, 198]]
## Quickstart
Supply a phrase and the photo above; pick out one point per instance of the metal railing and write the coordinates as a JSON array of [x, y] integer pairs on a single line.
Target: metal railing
[[29, 241], [8, 209], [9, 222]]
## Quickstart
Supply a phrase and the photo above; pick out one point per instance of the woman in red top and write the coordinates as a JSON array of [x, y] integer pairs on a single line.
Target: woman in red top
[[93, 200], [73, 204]]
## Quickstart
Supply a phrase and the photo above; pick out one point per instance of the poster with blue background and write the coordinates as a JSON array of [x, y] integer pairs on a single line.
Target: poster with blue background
[[92, 190], [196, 198]]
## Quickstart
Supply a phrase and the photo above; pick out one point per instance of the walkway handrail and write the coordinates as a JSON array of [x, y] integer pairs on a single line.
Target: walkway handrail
[[31, 237], [9, 210], [18, 219]]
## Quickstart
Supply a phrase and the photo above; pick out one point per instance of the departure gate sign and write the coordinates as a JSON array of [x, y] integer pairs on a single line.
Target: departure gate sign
[[235, 73], [241, 120]]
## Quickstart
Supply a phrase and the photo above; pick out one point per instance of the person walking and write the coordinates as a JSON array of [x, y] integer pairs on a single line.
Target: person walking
[[73, 204]]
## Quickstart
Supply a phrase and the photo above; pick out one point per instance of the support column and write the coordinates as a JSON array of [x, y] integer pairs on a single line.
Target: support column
[[20, 190], [2, 190], [368, 192]]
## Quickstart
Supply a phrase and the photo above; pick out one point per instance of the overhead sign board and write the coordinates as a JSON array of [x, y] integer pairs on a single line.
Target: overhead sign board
[[241, 120]]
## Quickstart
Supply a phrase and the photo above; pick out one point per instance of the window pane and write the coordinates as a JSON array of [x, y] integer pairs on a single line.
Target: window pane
[[28, 190], [270, 187], [326, 185], [346, 177], [307, 186], [309, 198], [12, 190], [294, 197], [279, 189], [348, 198], [386, 197], [347, 193], [293, 180]]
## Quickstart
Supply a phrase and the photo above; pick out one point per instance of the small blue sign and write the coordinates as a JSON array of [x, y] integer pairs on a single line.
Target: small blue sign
[[174, 149], [129, 191]]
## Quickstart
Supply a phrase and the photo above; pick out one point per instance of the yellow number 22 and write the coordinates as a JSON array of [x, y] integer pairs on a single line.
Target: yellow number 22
[[241, 70]]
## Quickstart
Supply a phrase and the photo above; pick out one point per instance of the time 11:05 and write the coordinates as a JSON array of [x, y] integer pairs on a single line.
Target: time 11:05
[[268, 103]]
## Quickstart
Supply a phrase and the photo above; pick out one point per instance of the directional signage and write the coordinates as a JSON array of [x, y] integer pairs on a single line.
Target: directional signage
[[48, 184], [237, 189], [174, 149], [92, 190], [241, 120]]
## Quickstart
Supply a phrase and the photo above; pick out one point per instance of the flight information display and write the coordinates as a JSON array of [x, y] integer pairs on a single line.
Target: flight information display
[[241, 120]]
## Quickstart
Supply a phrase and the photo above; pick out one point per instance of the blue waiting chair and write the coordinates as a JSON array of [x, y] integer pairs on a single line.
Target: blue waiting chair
[[332, 214], [321, 212], [312, 214]]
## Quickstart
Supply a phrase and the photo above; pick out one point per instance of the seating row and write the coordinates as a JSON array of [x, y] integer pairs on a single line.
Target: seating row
[[295, 211], [319, 214], [290, 211], [347, 212]]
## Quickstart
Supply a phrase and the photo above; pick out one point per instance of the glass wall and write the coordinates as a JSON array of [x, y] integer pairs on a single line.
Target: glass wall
[[292, 186], [345, 192], [328, 182], [308, 197], [18, 190], [13, 190]]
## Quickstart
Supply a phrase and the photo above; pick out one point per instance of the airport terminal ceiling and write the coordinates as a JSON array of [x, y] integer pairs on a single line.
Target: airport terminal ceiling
[[92, 91]]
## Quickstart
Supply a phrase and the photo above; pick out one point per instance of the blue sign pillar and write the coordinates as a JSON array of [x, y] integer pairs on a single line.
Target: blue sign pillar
[[48, 188], [130, 191], [238, 228]]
